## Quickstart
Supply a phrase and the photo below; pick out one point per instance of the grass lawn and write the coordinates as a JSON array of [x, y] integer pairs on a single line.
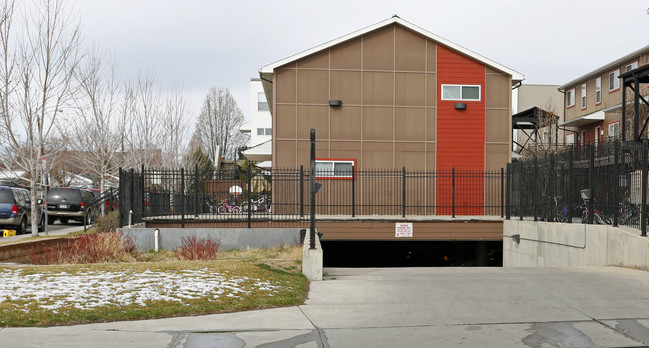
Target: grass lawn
[[156, 286]]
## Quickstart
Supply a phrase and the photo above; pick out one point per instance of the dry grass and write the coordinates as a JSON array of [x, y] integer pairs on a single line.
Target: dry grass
[[258, 266]]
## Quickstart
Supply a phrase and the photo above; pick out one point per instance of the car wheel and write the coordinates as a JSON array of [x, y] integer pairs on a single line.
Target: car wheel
[[22, 228], [64, 220], [50, 220], [89, 218]]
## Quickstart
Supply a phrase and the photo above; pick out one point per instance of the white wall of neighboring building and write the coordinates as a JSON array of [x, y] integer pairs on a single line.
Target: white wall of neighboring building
[[260, 119]]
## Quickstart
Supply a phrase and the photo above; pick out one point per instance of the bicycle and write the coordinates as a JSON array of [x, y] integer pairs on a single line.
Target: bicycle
[[226, 207], [598, 218], [260, 205], [560, 210], [628, 214]]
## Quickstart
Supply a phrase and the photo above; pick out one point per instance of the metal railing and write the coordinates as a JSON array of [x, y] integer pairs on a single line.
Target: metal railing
[[282, 195], [604, 182]]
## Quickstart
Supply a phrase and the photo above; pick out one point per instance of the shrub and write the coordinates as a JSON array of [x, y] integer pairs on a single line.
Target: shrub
[[88, 248], [197, 249], [108, 222]]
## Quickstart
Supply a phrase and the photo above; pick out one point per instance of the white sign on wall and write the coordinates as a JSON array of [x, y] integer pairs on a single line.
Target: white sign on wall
[[403, 229]]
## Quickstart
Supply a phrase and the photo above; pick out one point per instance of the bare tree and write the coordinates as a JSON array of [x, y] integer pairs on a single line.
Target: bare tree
[[218, 124], [174, 128], [42, 68], [141, 113], [94, 137]]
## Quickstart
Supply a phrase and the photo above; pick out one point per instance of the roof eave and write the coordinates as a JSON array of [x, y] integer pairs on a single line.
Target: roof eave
[[604, 68], [516, 76]]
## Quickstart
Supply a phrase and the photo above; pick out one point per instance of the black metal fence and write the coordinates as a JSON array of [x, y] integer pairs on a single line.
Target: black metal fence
[[604, 182], [252, 195]]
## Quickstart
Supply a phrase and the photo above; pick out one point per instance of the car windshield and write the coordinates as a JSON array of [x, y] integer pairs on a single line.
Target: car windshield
[[6, 196], [60, 194]]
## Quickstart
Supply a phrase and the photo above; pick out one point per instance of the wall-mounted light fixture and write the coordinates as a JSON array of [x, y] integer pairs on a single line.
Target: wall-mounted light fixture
[[516, 238], [460, 106], [335, 102]]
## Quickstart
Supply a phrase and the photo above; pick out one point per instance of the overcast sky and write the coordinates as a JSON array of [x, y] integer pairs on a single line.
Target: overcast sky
[[199, 43]]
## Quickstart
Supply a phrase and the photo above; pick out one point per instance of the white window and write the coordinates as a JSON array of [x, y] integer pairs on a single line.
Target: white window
[[326, 168], [583, 96], [461, 92], [614, 129], [631, 66], [598, 90], [262, 103], [614, 80], [570, 97], [570, 138]]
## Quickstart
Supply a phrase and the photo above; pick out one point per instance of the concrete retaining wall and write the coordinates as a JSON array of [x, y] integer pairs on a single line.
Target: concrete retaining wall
[[21, 252], [545, 244], [230, 238]]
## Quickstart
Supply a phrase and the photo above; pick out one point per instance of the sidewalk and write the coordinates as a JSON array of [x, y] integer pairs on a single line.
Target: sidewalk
[[398, 307]]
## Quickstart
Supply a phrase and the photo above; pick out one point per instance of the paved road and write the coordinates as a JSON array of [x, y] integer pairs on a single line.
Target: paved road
[[414, 307], [56, 229]]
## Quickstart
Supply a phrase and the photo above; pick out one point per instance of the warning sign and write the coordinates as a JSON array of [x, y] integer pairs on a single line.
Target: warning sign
[[403, 229]]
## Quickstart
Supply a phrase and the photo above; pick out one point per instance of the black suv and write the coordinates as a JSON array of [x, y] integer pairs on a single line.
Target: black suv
[[16, 209], [69, 203]]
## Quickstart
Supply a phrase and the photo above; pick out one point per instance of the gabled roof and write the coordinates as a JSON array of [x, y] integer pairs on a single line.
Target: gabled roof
[[266, 71], [605, 68]]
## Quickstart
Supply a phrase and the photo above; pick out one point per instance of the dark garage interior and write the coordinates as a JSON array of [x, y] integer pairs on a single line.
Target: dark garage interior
[[412, 253]]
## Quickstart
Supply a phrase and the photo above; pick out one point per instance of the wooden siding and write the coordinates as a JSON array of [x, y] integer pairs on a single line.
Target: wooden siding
[[460, 133]]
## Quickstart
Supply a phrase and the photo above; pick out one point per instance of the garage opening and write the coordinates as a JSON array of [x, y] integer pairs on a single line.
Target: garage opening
[[412, 254]]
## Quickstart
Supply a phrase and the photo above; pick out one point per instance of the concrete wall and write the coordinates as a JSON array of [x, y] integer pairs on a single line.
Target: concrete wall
[[544, 244], [230, 238]]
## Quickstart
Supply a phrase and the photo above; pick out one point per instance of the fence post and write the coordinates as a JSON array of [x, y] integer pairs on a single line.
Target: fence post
[[571, 188], [249, 196], [616, 182], [453, 192], [535, 181], [591, 183], [643, 212], [122, 188], [502, 192], [403, 192], [196, 210], [520, 191], [143, 201], [353, 192], [508, 207], [312, 189], [182, 197], [132, 189], [552, 191], [302, 191]]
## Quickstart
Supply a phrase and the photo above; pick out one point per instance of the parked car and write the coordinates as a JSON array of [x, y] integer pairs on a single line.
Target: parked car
[[69, 203], [16, 210]]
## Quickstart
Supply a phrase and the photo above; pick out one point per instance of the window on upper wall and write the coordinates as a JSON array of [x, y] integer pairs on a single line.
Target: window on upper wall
[[614, 80], [598, 90], [631, 66], [262, 103], [570, 97], [461, 92], [269, 131], [334, 168], [260, 131], [583, 96]]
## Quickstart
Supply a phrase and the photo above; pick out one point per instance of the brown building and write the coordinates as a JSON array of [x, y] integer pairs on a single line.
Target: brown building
[[391, 95], [593, 102]]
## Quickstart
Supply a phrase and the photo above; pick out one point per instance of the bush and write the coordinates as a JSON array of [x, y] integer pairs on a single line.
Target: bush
[[108, 222], [88, 248], [197, 249]]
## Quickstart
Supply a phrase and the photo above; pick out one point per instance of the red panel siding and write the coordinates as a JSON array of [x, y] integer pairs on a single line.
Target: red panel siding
[[460, 133]]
